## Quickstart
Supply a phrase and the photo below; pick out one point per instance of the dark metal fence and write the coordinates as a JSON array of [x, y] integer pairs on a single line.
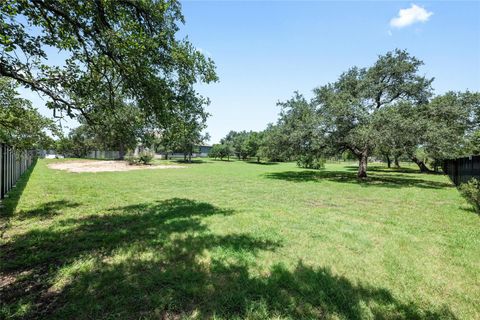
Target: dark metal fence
[[462, 169], [12, 165]]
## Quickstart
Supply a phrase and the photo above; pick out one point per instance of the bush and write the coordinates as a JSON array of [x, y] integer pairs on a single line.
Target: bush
[[146, 157], [471, 192], [311, 162], [131, 158]]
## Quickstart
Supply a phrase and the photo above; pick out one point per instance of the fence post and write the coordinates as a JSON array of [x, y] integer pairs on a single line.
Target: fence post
[[1, 171]]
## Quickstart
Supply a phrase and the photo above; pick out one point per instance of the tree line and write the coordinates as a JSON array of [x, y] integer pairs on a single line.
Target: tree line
[[388, 111]]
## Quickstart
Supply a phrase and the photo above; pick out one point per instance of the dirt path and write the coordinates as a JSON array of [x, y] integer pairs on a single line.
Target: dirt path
[[104, 166]]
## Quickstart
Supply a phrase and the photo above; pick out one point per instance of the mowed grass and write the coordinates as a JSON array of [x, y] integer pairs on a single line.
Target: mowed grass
[[237, 240]]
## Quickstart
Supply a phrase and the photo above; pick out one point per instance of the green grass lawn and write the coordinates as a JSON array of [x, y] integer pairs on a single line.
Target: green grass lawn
[[236, 240]]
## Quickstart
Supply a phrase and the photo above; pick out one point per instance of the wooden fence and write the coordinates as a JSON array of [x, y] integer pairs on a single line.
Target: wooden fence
[[12, 165], [462, 169]]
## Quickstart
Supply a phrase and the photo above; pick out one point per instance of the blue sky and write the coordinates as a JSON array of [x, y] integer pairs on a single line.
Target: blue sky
[[266, 50]]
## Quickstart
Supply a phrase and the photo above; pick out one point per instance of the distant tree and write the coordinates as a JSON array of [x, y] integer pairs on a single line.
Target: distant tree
[[118, 128], [82, 141], [188, 122], [348, 106], [273, 144], [237, 140], [220, 151], [214, 151], [302, 132], [399, 130], [253, 143], [473, 147], [64, 146], [450, 120], [21, 126]]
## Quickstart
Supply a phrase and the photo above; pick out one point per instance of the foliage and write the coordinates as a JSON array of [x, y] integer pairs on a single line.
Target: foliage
[[310, 161], [272, 146], [253, 143], [238, 142], [244, 144], [220, 151], [430, 132], [385, 111], [449, 119], [21, 126], [80, 141], [301, 131], [131, 158], [118, 128], [473, 146], [348, 107], [188, 122], [471, 191], [111, 46], [146, 157], [236, 240]]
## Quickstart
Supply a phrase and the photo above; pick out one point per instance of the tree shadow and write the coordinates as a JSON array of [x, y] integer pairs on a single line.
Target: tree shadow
[[10, 202], [30, 260], [470, 209], [47, 210], [193, 161], [262, 163], [160, 260], [374, 179], [378, 168]]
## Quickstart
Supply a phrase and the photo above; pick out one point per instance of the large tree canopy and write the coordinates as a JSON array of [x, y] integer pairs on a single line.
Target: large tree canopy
[[124, 45], [348, 106]]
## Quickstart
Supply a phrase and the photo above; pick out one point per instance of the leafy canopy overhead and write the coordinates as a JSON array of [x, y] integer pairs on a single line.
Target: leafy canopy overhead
[[133, 42]]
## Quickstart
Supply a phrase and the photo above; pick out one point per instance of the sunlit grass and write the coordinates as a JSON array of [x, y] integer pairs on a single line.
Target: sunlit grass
[[239, 240]]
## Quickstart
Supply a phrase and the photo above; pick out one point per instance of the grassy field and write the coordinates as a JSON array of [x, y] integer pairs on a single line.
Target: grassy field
[[236, 240]]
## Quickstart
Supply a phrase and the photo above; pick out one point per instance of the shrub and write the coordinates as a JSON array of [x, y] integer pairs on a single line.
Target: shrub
[[311, 162], [471, 192], [131, 158], [146, 157]]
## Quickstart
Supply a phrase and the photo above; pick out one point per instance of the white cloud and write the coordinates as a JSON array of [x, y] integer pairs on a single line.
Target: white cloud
[[410, 16]]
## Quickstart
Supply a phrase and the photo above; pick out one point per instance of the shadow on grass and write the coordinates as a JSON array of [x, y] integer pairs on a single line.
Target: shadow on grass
[[47, 210], [159, 260], [196, 161], [376, 179], [378, 168], [262, 163], [11, 201]]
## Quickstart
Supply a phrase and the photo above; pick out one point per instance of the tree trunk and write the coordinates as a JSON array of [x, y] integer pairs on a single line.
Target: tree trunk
[[420, 164], [396, 162], [362, 165], [389, 162], [121, 151], [258, 159]]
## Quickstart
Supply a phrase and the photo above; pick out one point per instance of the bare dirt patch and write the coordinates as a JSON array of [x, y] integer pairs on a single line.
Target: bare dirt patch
[[104, 166]]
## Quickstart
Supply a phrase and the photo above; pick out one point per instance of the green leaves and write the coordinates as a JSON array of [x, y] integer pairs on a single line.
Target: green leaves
[[21, 126], [133, 42]]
